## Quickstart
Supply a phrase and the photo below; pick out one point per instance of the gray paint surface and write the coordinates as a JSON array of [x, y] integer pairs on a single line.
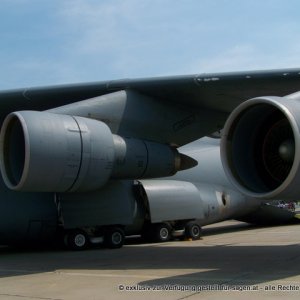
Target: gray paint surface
[[173, 200], [114, 204]]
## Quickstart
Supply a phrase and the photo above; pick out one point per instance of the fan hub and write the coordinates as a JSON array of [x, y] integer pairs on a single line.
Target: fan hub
[[287, 150]]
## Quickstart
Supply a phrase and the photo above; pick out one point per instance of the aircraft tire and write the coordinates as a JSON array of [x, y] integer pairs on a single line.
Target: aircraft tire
[[114, 237], [161, 232], [193, 230], [76, 239]]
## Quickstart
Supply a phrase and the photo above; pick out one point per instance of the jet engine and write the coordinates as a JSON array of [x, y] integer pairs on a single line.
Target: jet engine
[[47, 152], [260, 147]]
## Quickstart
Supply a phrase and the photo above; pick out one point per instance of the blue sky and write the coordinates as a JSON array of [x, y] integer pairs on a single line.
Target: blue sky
[[62, 41]]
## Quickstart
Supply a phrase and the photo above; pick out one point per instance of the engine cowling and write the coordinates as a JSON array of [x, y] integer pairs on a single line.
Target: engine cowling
[[41, 151], [48, 152], [260, 147]]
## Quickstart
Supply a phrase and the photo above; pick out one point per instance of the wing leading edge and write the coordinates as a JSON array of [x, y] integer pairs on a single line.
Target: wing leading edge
[[198, 104]]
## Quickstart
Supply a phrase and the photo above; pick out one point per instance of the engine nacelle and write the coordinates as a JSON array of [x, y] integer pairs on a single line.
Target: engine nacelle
[[48, 152], [41, 151], [260, 147]]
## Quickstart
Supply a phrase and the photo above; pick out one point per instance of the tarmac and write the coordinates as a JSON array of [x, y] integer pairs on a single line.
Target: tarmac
[[234, 260]]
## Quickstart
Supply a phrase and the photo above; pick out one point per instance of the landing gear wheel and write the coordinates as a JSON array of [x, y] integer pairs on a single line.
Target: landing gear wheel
[[114, 238], [193, 230], [161, 232], [76, 239]]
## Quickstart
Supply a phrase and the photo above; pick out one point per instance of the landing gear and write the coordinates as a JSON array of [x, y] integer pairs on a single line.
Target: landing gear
[[193, 230], [114, 237], [76, 239], [157, 233], [161, 232]]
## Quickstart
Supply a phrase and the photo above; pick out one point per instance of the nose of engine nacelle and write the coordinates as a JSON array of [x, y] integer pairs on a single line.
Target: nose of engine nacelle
[[260, 147], [12, 154]]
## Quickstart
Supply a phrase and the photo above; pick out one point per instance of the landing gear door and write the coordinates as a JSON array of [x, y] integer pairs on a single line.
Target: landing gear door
[[170, 200]]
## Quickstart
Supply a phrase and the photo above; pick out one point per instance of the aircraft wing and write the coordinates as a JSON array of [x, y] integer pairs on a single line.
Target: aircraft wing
[[86, 134], [206, 99]]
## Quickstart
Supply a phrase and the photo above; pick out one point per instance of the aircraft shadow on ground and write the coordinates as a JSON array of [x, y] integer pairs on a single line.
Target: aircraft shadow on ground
[[232, 265], [220, 264]]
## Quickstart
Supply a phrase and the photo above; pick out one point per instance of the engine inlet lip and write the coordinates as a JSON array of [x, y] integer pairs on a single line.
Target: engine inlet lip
[[229, 128], [8, 124]]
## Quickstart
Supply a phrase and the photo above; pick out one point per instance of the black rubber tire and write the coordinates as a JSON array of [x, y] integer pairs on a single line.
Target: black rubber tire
[[76, 239], [161, 232], [114, 237], [193, 230]]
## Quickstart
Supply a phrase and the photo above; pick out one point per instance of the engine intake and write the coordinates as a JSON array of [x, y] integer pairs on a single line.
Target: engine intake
[[260, 147]]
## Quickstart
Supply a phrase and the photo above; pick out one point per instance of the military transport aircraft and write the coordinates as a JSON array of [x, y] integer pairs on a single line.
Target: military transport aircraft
[[74, 155]]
